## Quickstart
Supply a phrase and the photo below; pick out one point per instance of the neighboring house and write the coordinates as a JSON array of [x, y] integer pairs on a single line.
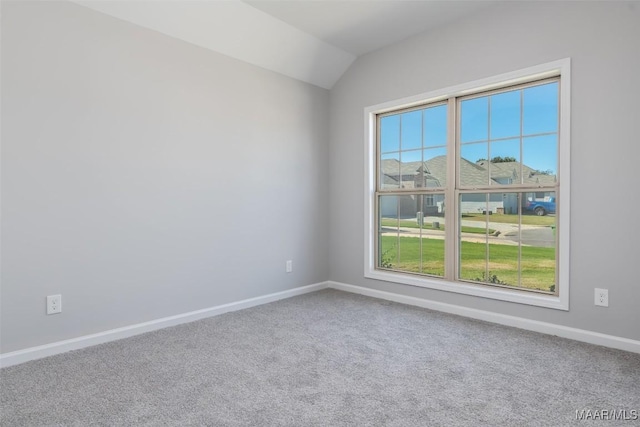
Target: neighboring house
[[432, 173], [407, 176], [508, 172]]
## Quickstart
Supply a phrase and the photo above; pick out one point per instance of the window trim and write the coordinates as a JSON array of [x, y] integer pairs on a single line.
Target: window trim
[[557, 68]]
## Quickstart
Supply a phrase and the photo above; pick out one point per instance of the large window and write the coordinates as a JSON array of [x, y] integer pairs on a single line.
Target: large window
[[468, 188]]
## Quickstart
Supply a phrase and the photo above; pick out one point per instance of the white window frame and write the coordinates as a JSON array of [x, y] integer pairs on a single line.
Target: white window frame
[[557, 68]]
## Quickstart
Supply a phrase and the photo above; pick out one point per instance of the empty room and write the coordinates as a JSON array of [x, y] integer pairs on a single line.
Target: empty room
[[319, 213]]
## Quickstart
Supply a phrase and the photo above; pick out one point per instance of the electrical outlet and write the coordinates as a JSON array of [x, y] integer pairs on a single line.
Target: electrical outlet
[[602, 297], [289, 267], [54, 304]]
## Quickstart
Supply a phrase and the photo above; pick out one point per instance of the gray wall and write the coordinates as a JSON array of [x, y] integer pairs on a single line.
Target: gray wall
[[602, 40], [144, 177]]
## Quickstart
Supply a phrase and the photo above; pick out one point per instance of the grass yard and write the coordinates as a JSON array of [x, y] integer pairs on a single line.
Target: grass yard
[[512, 219], [538, 266], [393, 223]]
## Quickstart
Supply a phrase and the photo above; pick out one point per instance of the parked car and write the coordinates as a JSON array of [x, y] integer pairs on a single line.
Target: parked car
[[542, 208]]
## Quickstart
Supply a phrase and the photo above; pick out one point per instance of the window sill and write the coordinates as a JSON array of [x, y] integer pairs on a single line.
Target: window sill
[[501, 294]]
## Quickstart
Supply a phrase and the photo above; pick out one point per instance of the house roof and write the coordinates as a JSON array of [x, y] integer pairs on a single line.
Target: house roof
[[394, 167], [389, 180], [472, 174], [512, 170]]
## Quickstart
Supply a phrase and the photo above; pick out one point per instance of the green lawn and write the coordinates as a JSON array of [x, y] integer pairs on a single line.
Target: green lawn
[[393, 223], [512, 219], [537, 264]]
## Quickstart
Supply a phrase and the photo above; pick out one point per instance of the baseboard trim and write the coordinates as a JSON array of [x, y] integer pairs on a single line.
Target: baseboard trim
[[502, 319], [38, 352]]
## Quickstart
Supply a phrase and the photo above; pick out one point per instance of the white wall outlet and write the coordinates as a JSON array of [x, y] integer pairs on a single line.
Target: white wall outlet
[[54, 304], [602, 297], [289, 267]]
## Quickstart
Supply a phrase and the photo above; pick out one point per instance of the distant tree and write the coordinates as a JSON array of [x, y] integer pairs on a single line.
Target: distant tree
[[541, 172], [499, 159], [481, 160]]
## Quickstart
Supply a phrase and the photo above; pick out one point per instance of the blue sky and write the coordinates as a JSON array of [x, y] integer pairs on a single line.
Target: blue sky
[[490, 126]]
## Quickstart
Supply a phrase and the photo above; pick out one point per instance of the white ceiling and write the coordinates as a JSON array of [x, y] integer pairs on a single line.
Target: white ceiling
[[359, 27], [312, 41]]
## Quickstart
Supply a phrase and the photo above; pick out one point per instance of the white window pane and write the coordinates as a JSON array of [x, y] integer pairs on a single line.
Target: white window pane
[[432, 231], [390, 133], [540, 114], [435, 126], [411, 233], [503, 258], [411, 157], [388, 228], [473, 246], [474, 120], [540, 203], [410, 166], [433, 173], [540, 159], [504, 240], [409, 247], [390, 171], [505, 166], [505, 115], [474, 170], [538, 240], [411, 130]]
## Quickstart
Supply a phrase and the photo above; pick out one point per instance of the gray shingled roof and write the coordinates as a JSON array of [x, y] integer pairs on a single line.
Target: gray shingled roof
[[512, 170], [392, 167], [472, 174], [388, 180]]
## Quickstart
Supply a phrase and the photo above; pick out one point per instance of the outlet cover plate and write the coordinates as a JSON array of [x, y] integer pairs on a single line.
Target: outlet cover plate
[[54, 304], [601, 297]]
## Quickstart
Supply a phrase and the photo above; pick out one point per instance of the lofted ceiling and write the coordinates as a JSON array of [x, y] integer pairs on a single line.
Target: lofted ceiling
[[312, 41], [359, 27]]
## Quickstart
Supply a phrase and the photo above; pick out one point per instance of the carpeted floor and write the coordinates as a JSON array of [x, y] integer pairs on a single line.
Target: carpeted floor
[[328, 359]]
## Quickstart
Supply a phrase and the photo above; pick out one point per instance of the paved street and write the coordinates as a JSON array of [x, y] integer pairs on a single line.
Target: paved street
[[530, 235]]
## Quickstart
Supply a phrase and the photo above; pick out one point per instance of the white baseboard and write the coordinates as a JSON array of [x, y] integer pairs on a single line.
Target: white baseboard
[[38, 352], [503, 319]]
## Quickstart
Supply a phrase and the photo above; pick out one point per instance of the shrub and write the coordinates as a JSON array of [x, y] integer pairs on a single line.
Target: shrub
[[490, 278], [385, 258]]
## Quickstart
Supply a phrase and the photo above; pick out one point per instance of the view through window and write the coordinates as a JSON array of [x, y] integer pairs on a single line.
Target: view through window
[[467, 188]]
